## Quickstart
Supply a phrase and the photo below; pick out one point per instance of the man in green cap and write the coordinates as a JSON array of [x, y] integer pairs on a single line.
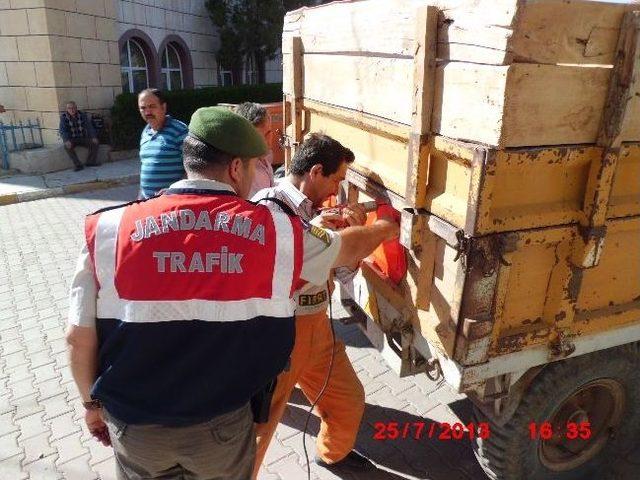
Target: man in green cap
[[181, 308]]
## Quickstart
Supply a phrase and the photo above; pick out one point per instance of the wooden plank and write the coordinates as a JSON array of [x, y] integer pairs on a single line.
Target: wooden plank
[[624, 83], [554, 105], [422, 106], [578, 32], [482, 31], [379, 86], [355, 27], [518, 105], [469, 101], [293, 89]]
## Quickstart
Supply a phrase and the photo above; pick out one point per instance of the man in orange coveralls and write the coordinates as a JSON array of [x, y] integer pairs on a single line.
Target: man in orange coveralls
[[317, 168]]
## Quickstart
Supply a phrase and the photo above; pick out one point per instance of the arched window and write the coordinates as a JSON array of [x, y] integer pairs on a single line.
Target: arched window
[[172, 78], [133, 67]]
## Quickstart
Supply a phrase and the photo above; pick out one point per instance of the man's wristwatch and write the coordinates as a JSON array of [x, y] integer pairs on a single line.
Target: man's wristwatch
[[93, 404]]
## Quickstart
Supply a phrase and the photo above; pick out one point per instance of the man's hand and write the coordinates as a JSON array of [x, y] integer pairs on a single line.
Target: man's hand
[[97, 427], [95, 141], [354, 215], [340, 217], [68, 145]]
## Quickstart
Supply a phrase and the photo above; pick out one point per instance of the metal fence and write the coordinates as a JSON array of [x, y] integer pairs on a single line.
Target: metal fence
[[20, 136]]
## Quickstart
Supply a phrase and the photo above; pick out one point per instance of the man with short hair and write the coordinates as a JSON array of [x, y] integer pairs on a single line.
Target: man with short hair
[[317, 168], [76, 129], [181, 308], [257, 115], [160, 144]]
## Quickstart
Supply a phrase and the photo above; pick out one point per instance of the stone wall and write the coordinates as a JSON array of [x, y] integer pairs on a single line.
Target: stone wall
[[52, 51], [186, 19]]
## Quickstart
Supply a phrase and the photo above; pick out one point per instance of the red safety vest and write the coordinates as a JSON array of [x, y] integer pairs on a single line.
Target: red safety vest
[[201, 283]]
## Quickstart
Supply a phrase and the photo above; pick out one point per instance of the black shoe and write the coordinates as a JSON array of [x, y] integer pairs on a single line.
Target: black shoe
[[78, 168], [353, 462]]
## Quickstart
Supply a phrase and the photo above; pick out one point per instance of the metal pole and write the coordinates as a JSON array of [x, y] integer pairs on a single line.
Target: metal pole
[[13, 135], [5, 151], [40, 131], [24, 140]]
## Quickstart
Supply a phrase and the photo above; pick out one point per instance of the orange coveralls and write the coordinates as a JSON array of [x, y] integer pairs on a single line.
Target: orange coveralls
[[340, 407]]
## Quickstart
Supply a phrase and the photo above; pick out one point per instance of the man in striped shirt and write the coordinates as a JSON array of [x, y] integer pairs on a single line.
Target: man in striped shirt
[[160, 144]]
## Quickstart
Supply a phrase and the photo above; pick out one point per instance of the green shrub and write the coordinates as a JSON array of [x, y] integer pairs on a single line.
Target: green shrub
[[127, 123]]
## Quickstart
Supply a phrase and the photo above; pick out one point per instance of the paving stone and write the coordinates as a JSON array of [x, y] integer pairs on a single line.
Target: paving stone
[[5, 404], [22, 388], [11, 468], [277, 451], [32, 425], [51, 388], [7, 425], [99, 453], [106, 470], [63, 425], [43, 469], [394, 382], [420, 401], [12, 346], [263, 475], [373, 366], [289, 468], [9, 445], [68, 448], [45, 373], [16, 375], [77, 469], [56, 406], [26, 406], [37, 447]]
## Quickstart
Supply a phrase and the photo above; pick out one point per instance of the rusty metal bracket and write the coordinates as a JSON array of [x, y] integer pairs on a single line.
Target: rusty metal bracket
[[561, 346], [433, 369], [463, 247], [481, 252]]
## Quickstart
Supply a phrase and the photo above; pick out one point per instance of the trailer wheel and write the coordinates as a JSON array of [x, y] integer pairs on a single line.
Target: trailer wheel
[[548, 438]]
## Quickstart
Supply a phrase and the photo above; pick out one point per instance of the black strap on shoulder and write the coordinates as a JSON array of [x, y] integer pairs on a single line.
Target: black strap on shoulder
[[286, 208], [197, 191], [106, 209]]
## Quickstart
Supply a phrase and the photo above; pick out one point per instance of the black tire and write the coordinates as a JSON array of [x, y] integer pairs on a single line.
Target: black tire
[[510, 454]]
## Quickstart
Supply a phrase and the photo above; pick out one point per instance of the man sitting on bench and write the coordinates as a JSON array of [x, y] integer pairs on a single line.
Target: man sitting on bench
[[76, 130]]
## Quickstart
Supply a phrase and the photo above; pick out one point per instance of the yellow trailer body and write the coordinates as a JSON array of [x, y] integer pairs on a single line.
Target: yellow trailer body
[[507, 134]]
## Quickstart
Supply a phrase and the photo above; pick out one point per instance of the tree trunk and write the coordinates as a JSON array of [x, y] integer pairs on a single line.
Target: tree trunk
[[261, 67]]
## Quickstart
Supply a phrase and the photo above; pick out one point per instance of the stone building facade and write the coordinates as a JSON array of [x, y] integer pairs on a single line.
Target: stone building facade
[[52, 51]]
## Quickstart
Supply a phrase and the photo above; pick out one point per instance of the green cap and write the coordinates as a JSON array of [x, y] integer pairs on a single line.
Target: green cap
[[227, 131]]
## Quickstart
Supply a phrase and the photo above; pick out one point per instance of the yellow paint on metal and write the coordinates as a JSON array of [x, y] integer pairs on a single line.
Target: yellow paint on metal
[[448, 188], [625, 192], [616, 279], [534, 295]]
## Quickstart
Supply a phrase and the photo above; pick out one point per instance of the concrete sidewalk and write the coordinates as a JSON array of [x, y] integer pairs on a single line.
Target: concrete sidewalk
[[25, 188]]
